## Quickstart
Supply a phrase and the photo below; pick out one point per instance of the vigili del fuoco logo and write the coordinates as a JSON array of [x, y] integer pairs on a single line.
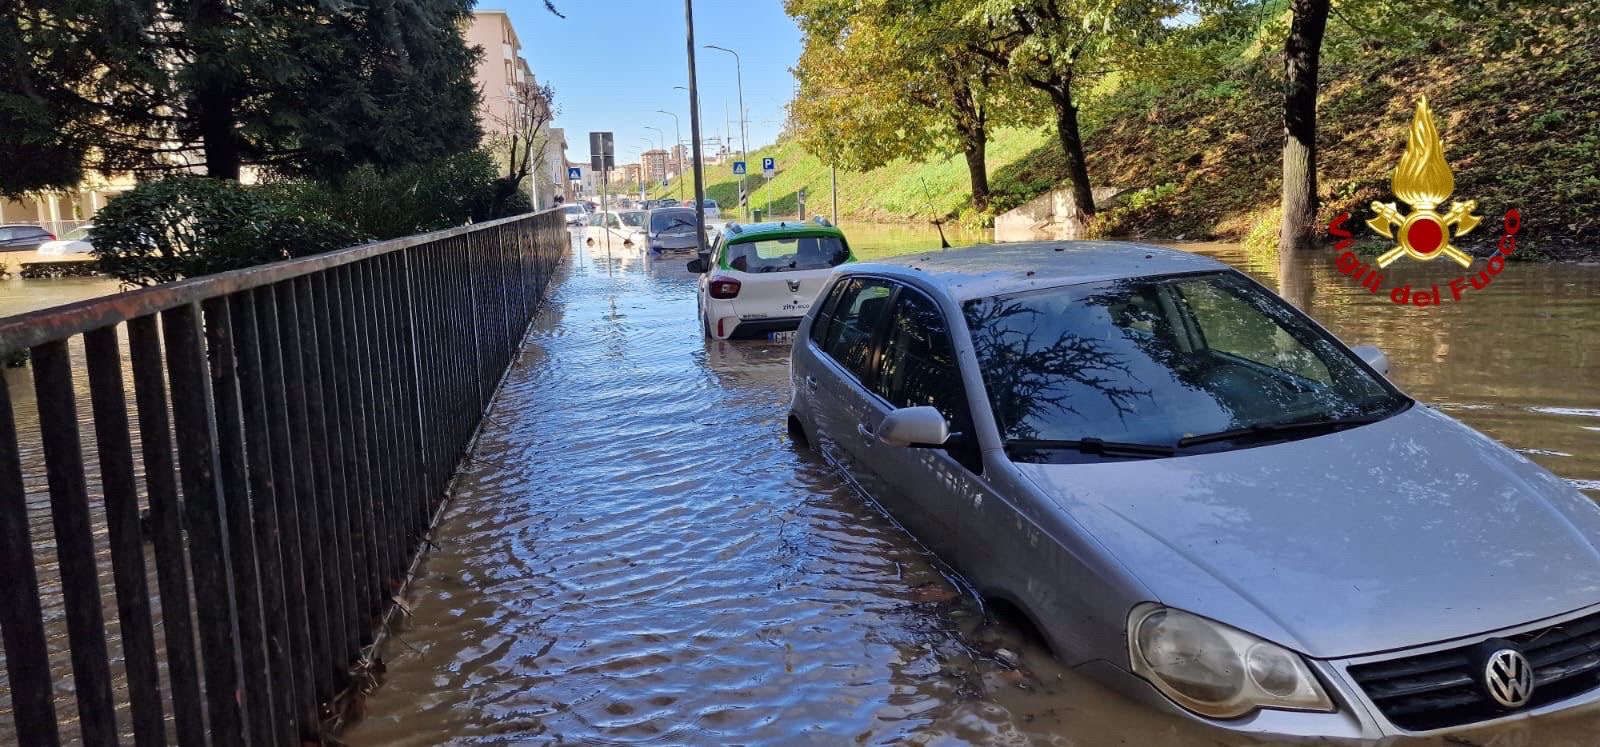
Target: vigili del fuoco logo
[[1423, 182]]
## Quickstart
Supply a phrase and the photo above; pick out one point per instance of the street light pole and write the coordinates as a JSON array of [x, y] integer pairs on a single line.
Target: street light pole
[[677, 145], [694, 133], [744, 135]]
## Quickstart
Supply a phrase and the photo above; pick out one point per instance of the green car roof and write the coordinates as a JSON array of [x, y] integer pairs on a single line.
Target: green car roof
[[785, 229], [781, 230]]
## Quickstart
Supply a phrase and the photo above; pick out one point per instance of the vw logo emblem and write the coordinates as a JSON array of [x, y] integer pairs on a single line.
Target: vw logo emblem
[[1508, 676]]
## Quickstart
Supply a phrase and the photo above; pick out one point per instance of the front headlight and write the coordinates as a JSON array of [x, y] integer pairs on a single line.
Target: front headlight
[[1215, 670]]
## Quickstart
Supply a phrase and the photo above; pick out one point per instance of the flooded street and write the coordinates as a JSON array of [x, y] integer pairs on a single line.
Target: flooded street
[[636, 553]]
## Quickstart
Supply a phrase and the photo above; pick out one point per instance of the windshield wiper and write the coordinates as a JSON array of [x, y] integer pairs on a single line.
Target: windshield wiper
[[1273, 429], [1095, 446]]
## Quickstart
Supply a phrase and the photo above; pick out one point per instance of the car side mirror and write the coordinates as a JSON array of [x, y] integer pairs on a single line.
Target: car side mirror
[[1374, 357], [915, 427], [697, 265]]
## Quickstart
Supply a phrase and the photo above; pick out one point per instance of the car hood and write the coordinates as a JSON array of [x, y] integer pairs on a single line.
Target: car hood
[[1411, 530]]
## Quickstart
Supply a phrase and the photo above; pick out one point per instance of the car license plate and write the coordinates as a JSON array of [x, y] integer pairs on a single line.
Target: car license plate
[[785, 335]]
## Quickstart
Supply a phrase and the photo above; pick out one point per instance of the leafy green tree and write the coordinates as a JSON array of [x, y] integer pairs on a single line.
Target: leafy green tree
[[887, 79], [1060, 48], [302, 87]]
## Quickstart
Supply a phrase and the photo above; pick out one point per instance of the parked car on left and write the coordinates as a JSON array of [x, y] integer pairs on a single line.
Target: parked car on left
[[22, 237], [75, 241], [577, 214]]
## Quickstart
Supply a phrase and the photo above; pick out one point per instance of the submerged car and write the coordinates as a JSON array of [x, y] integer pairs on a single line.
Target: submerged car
[[1200, 496], [75, 241], [23, 237], [761, 278], [671, 230], [576, 214]]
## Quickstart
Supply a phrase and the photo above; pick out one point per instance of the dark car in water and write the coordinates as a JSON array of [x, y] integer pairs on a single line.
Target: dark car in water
[[24, 237], [672, 230]]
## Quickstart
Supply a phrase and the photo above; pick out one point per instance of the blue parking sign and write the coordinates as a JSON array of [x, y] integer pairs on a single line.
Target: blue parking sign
[[575, 174]]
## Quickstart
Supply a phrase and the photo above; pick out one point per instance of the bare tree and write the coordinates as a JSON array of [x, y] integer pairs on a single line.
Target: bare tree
[[523, 128]]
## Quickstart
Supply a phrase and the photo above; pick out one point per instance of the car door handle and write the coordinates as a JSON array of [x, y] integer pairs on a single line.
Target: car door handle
[[865, 432], [811, 383]]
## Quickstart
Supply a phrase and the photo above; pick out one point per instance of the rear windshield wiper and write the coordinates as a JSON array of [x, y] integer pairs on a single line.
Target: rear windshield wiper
[[1273, 429], [1094, 446]]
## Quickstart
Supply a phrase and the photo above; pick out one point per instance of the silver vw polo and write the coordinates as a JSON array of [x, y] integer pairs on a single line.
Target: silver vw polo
[[1199, 495]]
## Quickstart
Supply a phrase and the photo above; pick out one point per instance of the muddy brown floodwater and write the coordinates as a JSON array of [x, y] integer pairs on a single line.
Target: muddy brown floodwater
[[636, 553]]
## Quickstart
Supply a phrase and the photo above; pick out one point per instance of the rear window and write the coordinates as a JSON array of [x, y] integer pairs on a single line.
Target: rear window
[[711, 203], [671, 219], [786, 254]]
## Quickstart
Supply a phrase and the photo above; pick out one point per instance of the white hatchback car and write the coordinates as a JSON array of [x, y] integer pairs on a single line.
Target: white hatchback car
[[760, 279]]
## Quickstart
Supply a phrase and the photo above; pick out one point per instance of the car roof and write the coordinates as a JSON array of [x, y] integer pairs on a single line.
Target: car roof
[[995, 269], [734, 231]]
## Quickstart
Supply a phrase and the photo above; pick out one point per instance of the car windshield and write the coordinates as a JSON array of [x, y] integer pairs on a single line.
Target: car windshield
[[711, 203], [574, 210], [1157, 360], [672, 220], [787, 253], [633, 218], [81, 233]]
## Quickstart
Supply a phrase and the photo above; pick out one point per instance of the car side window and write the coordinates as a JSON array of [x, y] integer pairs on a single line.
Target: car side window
[[919, 366], [820, 326], [855, 317]]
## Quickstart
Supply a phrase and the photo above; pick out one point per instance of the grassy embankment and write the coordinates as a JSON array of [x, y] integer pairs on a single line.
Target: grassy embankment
[[1520, 130]]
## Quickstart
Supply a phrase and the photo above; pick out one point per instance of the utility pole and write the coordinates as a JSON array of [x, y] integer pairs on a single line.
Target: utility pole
[[833, 190], [744, 135], [694, 133]]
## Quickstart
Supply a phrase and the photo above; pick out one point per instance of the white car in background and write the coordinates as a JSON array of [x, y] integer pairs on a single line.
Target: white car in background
[[760, 279], [72, 242], [577, 214]]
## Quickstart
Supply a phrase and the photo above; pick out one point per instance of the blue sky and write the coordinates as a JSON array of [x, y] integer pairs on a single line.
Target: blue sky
[[614, 63]]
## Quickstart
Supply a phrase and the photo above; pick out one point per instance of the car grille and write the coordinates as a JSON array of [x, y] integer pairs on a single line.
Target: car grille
[[1443, 689]]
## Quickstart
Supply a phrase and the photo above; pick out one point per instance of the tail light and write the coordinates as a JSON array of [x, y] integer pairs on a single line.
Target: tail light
[[724, 288]]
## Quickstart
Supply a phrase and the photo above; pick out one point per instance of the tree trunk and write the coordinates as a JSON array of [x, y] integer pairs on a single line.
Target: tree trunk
[[973, 145], [211, 98], [215, 116], [1301, 60], [1072, 146]]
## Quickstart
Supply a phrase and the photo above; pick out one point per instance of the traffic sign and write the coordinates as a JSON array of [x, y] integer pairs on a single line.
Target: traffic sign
[[575, 173], [738, 168], [769, 167], [602, 152]]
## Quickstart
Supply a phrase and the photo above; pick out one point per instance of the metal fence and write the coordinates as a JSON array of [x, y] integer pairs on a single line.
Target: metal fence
[[270, 447]]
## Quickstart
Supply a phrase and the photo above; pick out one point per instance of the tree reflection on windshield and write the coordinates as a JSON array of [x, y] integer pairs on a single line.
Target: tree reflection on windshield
[[1154, 360], [1025, 377]]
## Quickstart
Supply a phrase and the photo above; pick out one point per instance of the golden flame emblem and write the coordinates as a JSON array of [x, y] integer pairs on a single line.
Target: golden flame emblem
[[1423, 181]]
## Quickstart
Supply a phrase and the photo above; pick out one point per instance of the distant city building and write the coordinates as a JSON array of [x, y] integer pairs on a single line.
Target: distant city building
[[625, 173], [654, 162]]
